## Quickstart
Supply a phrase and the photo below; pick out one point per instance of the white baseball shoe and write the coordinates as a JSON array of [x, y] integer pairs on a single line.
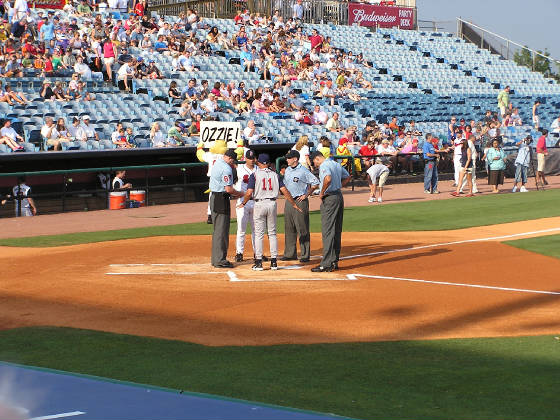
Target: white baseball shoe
[[380, 200], [371, 200], [523, 189], [514, 189]]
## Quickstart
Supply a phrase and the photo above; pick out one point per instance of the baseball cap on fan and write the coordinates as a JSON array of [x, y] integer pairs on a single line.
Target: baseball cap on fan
[[264, 158]]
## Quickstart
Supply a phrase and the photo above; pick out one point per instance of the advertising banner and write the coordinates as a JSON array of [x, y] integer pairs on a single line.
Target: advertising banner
[[383, 16], [48, 4]]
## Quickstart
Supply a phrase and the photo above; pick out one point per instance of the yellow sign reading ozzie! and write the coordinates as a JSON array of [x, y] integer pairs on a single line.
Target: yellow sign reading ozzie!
[[210, 131]]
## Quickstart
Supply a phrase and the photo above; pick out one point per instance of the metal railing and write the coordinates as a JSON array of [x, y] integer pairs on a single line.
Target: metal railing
[[314, 11], [496, 43]]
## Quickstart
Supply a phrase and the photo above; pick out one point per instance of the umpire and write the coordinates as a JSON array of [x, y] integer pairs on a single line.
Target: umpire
[[301, 183], [221, 185], [332, 178]]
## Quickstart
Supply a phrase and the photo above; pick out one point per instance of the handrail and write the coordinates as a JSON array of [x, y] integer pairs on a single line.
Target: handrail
[[508, 40], [104, 169]]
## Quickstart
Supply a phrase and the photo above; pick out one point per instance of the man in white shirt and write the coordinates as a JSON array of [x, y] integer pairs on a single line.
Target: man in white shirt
[[250, 132], [82, 68], [297, 8], [87, 131], [8, 131], [209, 105], [50, 133], [319, 117], [185, 62], [125, 72]]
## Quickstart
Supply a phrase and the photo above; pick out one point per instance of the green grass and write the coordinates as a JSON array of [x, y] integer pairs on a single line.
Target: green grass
[[415, 216], [497, 378], [546, 245]]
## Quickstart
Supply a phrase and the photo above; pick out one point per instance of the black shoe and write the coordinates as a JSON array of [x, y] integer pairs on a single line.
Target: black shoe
[[287, 259], [238, 257], [304, 260], [264, 258], [321, 269], [257, 266], [209, 220], [273, 264], [335, 265], [225, 264]]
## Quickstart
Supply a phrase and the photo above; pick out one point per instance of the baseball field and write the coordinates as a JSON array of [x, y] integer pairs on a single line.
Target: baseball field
[[446, 308]]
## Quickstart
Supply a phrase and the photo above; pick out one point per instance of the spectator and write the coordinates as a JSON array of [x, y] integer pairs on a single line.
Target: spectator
[[319, 117], [430, 165], [522, 163], [124, 74], [50, 134], [497, 164], [109, 54], [326, 147], [63, 133], [8, 131], [297, 10], [173, 92], [177, 134], [367, 152], [333, 124], [466, 168], [19, 97], [387, 151], [250, 133], [157, 137], [302, 146], [10, 143], [542, 153], [88, 133], [504, 101]]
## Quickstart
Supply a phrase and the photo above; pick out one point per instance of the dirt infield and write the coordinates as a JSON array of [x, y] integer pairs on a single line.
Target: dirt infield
[[164, 287]]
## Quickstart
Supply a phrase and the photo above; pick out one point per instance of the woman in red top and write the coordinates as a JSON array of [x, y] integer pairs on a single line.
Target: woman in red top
[[368, 152], [109, 54], [542, 152], [140, 8]]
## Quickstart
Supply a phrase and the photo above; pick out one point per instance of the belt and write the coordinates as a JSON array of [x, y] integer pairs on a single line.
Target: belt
[[295, 198], [337, 192], [263, 199]]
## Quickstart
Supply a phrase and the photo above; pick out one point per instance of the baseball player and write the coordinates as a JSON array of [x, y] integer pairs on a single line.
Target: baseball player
[[332, 177], [301, 183], [245, 213], [221, 186], [264, 186], [21, 194]]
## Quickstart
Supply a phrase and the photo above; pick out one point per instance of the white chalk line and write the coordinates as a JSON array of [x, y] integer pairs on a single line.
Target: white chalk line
[[413, 248], [161, 273], [59, 416], [446, 283], [233, 278]]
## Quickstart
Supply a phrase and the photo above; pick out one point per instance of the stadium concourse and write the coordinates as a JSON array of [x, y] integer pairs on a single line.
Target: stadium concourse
[[75, 65]]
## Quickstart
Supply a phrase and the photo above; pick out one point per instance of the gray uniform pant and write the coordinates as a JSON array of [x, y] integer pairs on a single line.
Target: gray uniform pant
[[220, 235], [264, 217], [332, 213], [296, 223]]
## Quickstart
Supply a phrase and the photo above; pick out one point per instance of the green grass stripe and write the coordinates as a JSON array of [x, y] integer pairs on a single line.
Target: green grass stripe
[[546, 245], [513, 378], [449, 214]]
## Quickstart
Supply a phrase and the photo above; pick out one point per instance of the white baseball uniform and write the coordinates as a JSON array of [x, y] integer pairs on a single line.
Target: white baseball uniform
[[245, 213]]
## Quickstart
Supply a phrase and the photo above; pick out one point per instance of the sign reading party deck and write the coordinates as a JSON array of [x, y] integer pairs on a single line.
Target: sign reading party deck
[[210, 131], [383, 16], [49, 4]]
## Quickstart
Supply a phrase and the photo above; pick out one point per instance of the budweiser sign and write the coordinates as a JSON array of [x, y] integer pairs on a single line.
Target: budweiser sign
[[49, 4], [384, 16]]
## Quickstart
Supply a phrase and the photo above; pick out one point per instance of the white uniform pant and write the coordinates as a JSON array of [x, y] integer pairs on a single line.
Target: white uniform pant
[[457, 166], [244, 217], [265, 218], [208, 209]]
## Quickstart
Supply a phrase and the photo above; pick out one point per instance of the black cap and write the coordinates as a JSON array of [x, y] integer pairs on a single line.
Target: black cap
[[264, 158], [250, 155], [292, 154], [230, 153]]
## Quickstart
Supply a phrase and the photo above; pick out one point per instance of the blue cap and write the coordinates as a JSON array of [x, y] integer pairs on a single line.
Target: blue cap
[[264, 158]]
